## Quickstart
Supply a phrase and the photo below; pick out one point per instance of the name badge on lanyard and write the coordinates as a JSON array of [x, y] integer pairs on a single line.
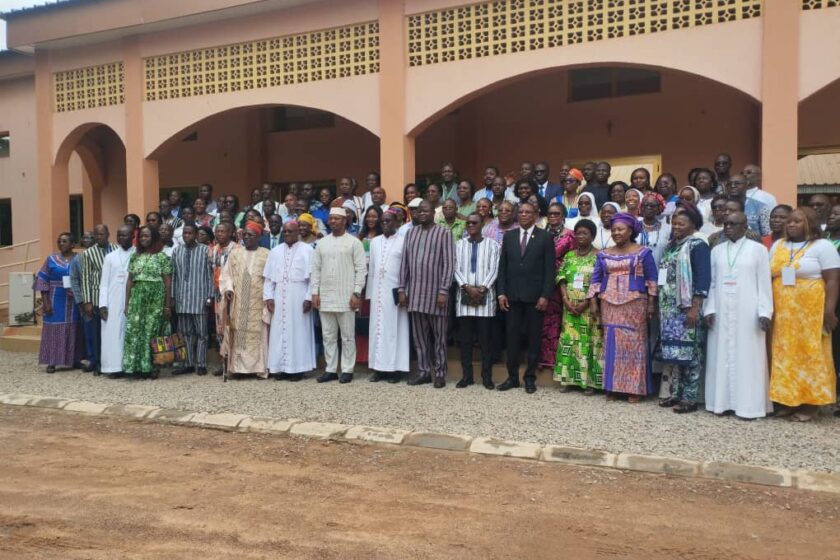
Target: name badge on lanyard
[[65, 283], [577, 284], [788, 276], [730, 284], [663, 277]]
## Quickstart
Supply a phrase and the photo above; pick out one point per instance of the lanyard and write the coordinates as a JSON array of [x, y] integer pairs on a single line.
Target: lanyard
[[601, 237], [794, 255], [731, 262]]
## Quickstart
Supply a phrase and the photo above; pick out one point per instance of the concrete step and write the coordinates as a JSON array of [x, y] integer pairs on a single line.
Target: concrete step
[[20, 343], [29, 330]]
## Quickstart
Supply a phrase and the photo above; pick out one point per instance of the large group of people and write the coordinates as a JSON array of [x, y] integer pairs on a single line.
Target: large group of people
[[710, 294]]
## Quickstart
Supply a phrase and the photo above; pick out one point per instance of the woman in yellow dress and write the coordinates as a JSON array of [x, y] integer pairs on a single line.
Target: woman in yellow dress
[[806, 276]]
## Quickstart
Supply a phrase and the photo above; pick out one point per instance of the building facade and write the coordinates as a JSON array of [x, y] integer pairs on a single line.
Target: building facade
[[110, 103]]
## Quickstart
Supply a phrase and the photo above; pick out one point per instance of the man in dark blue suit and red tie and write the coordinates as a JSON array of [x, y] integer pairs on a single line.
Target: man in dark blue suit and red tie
[[525, 284]]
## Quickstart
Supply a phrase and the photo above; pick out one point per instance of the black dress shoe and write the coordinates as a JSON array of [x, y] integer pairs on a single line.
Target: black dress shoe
[[669, 402], [440, 383], [327, 376], [183, 370], [293, 377], [376, 377], [50, 369], [115, 375], [509, 384], [530, 388], [96, 372], [201, 371], [420, 380], [395, 377], [488, 384], [345, 378], [464, 382], [218, 372], [87, 368]]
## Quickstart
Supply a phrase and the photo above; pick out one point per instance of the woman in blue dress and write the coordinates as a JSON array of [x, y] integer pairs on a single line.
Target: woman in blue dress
[[62, 341]]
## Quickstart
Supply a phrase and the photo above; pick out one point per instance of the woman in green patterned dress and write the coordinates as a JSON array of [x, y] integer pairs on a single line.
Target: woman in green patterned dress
[[147, 302], [580, 350]]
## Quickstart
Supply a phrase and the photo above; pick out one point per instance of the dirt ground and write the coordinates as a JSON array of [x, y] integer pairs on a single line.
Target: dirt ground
[[78, 487]]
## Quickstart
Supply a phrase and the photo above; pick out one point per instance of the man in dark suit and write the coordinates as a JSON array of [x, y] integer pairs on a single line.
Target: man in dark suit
[[525, 284], [545, 188]]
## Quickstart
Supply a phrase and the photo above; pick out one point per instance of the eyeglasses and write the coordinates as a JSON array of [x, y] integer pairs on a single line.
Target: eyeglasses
[[555, 213]]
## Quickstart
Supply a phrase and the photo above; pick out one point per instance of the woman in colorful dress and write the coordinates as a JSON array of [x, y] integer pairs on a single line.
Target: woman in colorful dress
[[564, 241], [806, 275], [624, 281], [687, 260], [148, 301], [62, 340], [580, 352]]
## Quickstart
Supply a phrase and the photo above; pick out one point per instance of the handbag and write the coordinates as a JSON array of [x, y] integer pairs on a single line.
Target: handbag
[[168, 349]]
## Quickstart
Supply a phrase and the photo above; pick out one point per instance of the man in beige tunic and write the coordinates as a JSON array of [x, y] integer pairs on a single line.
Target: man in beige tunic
[[241, 282], [338, 276]]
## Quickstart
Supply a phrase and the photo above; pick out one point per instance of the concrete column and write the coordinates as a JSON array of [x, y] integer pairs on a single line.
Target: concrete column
[[396, 150], [53, 181], [142, 179], [780, 99]]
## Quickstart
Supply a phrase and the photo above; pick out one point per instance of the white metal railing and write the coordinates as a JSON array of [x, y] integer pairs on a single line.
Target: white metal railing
[[20, 265]]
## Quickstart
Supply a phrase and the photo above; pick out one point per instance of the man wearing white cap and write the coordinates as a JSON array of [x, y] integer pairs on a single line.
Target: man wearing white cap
[[412, 212], [338, 276]]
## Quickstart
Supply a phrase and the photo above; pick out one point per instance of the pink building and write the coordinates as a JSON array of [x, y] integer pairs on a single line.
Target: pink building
[[110, 103]]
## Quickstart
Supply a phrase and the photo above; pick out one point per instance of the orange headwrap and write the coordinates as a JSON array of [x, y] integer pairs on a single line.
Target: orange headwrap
[[254, 226]]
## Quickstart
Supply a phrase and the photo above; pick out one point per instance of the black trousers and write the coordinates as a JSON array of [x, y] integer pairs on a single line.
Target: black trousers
[[468, 327], [523, 320]]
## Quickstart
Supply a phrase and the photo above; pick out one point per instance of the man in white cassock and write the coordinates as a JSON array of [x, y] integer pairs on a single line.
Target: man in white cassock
[[112, 288], [738, 311], [286, 292], [388, 342]]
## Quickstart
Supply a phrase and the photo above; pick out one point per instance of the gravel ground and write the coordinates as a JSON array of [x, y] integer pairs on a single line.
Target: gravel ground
[[546, 417]]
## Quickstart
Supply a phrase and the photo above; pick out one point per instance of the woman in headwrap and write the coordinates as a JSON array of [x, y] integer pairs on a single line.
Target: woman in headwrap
[[690, 194], [624, 281], [308, 229], [571, 190], [603, 237], [564, 241], [685, 275], [655, 232], [633, 202], [586, 208]]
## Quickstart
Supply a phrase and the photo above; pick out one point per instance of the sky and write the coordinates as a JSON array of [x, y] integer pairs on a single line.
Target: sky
[[8, 5]]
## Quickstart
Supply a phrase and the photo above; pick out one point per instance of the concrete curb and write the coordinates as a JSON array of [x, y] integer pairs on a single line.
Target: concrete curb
[[731, 472]]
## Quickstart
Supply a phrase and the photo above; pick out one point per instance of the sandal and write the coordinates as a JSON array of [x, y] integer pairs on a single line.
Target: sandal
[[800, 417], [589, 392], [634, 399], [50, 369], [669, 402], [784, 411], [612, 397]]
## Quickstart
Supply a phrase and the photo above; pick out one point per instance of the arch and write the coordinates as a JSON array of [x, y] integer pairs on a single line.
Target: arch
[[818, 42], [684, 51], [357, 103], [101, 151]]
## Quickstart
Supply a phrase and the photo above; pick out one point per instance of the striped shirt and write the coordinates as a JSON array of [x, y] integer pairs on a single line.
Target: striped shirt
[[338, 271], [477, 264], [192, 278], [426, 271], [92, 260]]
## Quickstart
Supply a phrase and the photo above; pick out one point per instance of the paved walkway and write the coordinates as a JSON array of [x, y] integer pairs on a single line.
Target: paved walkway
[[548, 416]]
